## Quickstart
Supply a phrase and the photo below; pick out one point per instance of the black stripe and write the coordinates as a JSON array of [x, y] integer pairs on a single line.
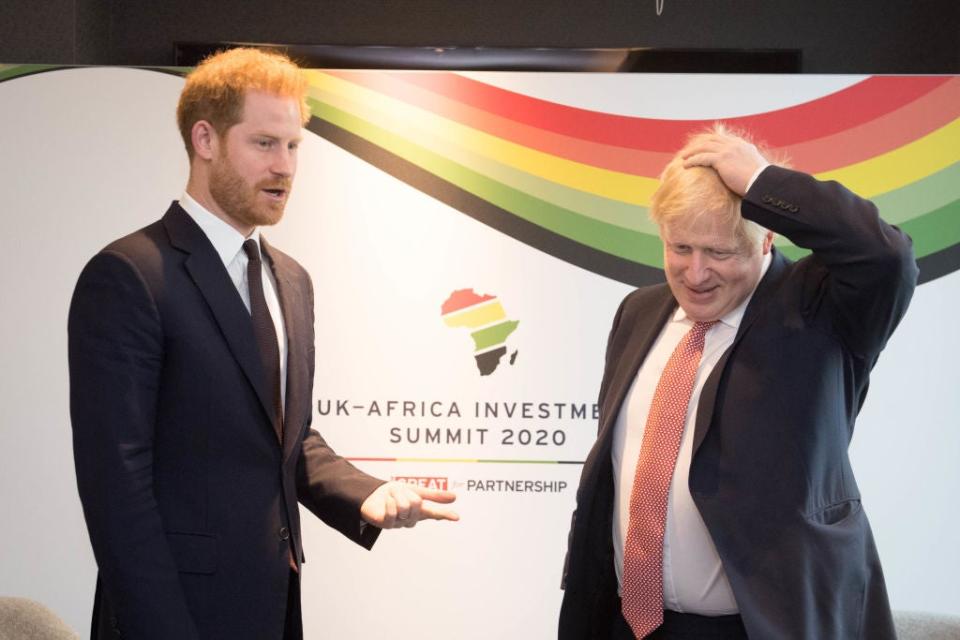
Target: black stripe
[[939, 263], [932, 266], [502, 220]]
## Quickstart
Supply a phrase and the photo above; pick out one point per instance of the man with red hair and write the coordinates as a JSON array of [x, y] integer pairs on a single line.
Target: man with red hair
[[191, 347]]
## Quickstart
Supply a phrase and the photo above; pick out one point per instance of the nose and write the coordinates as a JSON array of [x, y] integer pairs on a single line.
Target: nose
[[284, 162], [698, 270]]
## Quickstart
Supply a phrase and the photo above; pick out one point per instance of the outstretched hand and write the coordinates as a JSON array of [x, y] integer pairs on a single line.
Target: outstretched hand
[[398, 504], [734, 160]]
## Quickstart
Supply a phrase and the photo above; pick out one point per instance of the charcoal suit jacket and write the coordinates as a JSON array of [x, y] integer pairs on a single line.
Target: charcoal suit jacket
[[770, 473], [189, 497]]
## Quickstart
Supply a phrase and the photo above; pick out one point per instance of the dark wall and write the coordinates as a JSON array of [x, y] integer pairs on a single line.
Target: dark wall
[[835, 36]]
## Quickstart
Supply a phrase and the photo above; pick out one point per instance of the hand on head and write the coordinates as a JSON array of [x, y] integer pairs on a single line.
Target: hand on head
[[398, 504], [735, 160]]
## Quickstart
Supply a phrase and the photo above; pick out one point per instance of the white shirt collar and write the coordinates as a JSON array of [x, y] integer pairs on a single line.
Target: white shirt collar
[[733, 317], [226, 240]]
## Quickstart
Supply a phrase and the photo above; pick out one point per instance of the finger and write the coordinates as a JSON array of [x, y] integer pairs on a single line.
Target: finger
[[389, 511], [700, 160], [416, 506], [402, 502], [430, 512], [706, 145], [435, 495]]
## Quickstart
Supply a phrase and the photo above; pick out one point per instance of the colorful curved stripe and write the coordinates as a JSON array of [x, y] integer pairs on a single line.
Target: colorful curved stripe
[[830, 114], [576, 183], [897, 128], [587, 177], [428, 130], [608, 156]]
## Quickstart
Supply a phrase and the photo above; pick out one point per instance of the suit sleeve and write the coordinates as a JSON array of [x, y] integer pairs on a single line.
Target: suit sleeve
[[115, 357], [328, 485], [864, 272]]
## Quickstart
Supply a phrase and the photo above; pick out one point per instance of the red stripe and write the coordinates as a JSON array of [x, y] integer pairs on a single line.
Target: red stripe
[[886, 133], [845, 109], [613, 158], [461, 299]]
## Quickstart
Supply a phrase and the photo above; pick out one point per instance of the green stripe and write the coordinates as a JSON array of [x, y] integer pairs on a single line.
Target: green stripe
[[632, 245], [614, 212], [491, 336], [590, 205], [931, 232], [8, 71], [936, 230], [917, 198]]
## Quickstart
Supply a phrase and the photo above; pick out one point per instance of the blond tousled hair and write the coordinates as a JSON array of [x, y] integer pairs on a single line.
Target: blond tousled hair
[[216, 88], [686, 194]]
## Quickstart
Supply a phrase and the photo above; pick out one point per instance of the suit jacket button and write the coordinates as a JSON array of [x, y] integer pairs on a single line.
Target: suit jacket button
[[284, 533]]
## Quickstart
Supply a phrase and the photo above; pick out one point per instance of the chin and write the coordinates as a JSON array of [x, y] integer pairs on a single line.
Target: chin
[[268, 218], [700, 314]]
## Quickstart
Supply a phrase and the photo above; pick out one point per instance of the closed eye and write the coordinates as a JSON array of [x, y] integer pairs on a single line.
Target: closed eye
[[718, 254]]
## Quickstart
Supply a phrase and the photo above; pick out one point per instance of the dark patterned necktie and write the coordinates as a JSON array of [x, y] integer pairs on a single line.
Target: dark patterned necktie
[[264, 331]]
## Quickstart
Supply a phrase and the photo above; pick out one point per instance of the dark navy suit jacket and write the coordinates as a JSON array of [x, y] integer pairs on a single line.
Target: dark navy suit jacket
[[770, 473], [189, 498]]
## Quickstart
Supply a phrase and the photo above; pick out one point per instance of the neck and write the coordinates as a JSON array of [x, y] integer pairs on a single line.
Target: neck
[[199, 190]]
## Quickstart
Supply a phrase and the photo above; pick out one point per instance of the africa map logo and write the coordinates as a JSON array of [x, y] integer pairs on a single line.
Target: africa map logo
[[485, 318]]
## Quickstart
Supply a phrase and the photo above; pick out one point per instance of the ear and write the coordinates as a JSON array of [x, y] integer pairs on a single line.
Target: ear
[[206, 142], [767, 242]]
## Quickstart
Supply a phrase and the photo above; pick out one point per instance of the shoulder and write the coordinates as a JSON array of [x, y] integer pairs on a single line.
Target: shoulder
[[645, 299], [142, 243], [135, 252], [638, 307], [283, 261]]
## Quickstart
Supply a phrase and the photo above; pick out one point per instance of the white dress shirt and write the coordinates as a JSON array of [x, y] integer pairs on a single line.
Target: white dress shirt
[[228, 243], [693, 577]]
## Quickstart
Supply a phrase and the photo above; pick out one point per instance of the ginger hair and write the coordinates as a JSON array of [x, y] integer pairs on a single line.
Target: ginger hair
[[215, 90]]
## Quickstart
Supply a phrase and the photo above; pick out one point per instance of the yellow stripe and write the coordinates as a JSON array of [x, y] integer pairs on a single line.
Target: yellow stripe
[[418, 125], [482, 315], [869, 178], [907, 164]]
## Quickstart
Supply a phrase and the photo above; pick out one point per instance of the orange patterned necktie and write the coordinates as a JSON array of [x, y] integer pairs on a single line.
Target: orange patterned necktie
[[643, 549]]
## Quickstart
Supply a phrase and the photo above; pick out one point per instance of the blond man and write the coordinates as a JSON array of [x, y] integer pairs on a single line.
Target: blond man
[[191, 348], [718, 501]]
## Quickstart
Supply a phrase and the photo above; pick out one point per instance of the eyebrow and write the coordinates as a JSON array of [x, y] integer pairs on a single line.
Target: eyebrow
[[717, 248]]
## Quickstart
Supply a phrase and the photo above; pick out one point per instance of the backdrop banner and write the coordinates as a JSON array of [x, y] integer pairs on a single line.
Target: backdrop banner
[[470, 236]]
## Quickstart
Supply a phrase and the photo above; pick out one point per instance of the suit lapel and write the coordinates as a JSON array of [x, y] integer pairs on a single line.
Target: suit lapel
[[641, 338], [291, 305], [708, 395], [208, 273]]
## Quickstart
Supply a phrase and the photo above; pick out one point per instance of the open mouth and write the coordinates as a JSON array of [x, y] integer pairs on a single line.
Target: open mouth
[[276, 194]]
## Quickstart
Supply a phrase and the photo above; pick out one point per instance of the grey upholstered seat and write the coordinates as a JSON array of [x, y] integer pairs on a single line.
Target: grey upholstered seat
[[24, 619], [916, 625]]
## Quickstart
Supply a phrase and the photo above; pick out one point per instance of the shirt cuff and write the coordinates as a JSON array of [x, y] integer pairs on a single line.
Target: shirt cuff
[[756, 174]]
